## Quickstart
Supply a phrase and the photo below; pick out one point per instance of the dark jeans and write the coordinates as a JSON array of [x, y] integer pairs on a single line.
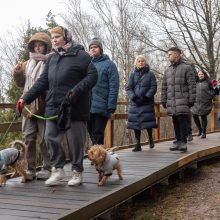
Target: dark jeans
[[96, 128], [180, 124]]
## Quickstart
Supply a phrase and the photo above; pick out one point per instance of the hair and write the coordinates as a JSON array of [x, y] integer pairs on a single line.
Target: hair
[[175, 49], [140, 57], [62, 31]]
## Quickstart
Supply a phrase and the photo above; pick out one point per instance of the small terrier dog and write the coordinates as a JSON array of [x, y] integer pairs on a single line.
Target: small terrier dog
[[105, 162], [14, 158]]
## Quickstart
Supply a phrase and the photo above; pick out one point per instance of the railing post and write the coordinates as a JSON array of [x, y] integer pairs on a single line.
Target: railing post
[[109, 133], [157, 130], [212, 118]]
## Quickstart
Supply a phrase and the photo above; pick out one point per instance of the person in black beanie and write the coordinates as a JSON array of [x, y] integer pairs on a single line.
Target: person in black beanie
[[104, 93]]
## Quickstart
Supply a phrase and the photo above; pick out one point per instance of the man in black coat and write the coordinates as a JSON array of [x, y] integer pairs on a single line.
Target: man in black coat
[[178, 95]]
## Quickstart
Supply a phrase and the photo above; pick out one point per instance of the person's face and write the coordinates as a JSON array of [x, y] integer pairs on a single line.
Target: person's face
[[94, 51], [57, 40], [140, 63], [173, 56], [39, 47], [201, 75]]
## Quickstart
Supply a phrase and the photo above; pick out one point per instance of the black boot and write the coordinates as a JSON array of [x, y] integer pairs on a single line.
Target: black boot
[[199, 133], [203, 135], [183, 147], [151, 142], [137, 147]]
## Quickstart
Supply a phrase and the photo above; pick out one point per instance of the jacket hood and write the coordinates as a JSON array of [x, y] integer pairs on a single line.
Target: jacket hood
[[40, 36]]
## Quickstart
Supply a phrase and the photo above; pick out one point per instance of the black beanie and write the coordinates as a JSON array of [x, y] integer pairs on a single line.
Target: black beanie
[[97, 42]]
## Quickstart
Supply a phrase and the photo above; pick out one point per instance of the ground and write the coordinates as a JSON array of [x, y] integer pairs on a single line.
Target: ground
[[194, 197]]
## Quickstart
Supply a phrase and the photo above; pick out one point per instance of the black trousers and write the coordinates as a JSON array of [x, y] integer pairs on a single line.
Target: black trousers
[[181, 124], [189, 124], [201, 124], [96, 128], [137, 134]]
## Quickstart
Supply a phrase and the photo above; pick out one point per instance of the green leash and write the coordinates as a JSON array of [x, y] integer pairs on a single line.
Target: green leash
[[40, 117]]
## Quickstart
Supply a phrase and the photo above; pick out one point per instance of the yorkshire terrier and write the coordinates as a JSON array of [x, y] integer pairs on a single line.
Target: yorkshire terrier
[[105, 162], [14, 158]]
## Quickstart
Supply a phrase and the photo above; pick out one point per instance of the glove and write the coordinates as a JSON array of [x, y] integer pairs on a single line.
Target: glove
[[110, 110], [19, 107], [164, 104], [72, 97], [191, 104]]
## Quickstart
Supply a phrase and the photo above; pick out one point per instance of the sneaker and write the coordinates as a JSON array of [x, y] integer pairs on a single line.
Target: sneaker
[[30, 175], [56, 178], [76, 179], [43, 174]]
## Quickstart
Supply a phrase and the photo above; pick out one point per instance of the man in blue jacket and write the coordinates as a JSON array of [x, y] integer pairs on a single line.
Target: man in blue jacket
[[104, 93]]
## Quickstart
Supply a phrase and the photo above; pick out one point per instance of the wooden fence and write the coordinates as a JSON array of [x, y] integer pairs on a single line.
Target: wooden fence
[[109, 132]]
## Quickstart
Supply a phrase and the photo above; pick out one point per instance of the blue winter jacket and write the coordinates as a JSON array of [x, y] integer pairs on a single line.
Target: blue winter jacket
[[105, 92]]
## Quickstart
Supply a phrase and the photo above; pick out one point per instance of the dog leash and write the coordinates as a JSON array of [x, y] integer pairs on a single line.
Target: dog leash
[[40, 117], [6, 132]]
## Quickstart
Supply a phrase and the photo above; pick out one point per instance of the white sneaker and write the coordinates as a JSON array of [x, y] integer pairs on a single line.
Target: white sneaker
[[56, 177], [43, 174], [76, 179], [30, 175]]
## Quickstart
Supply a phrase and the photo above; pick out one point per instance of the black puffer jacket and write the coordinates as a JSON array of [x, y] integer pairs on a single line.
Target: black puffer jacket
[[204, 96], [142, 83], [178, 88], [71, 70]]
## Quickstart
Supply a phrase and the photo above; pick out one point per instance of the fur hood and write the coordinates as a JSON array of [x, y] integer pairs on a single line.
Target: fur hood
[[40, 36]]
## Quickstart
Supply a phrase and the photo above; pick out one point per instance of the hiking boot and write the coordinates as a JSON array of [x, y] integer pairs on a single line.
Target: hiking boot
[[176, 145], [203, 135], [43, 174], [76, 179], [199, 133], [190, 137], [30, 175], [183, 147], [56, 178]]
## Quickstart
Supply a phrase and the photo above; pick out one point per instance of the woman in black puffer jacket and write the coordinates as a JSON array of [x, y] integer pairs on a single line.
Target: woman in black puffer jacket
[[203, 105], [142, 86]]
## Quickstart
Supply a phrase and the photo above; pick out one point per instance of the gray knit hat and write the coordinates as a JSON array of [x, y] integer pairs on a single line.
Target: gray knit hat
[[97, 42]]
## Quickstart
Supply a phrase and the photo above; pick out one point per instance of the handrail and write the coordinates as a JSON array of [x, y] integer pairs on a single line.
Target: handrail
[[109, 131]]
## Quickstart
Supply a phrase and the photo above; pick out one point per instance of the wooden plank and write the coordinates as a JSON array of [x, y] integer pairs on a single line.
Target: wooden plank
[[13, 127]]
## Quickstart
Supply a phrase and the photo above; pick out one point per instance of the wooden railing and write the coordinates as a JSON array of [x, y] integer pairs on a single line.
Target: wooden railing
[[109, 131]]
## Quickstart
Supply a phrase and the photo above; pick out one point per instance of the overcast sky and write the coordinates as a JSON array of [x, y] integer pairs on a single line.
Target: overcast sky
[[17, 12]]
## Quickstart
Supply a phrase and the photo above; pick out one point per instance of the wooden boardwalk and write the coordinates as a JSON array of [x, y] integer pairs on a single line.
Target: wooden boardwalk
[[33, 200]]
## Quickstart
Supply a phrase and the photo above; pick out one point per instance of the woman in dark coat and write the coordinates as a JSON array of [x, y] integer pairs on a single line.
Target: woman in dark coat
[[203, 105], [142, 87]]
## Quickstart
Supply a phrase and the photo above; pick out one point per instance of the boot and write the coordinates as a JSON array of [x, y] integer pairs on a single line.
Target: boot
[[176, 145], [183, 147], [203, 135], [199, 133], [137, 147], [190, 137], [151, 142]]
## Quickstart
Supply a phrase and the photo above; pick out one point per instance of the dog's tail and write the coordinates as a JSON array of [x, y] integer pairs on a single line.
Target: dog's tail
[[17, 144]]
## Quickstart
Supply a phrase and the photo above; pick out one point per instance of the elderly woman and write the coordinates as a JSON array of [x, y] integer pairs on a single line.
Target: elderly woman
[[141, 88], [69, 77]]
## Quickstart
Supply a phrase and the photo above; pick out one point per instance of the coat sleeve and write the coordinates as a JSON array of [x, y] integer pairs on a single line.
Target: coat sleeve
[[113, 80], [153, 87], [87, 82], [19, 75], [191, 82], [130, 87], [164, 89]]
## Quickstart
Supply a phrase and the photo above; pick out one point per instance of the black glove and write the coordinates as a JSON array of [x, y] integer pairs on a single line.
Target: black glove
[[164, 104], [110, 110], [191, 104]]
